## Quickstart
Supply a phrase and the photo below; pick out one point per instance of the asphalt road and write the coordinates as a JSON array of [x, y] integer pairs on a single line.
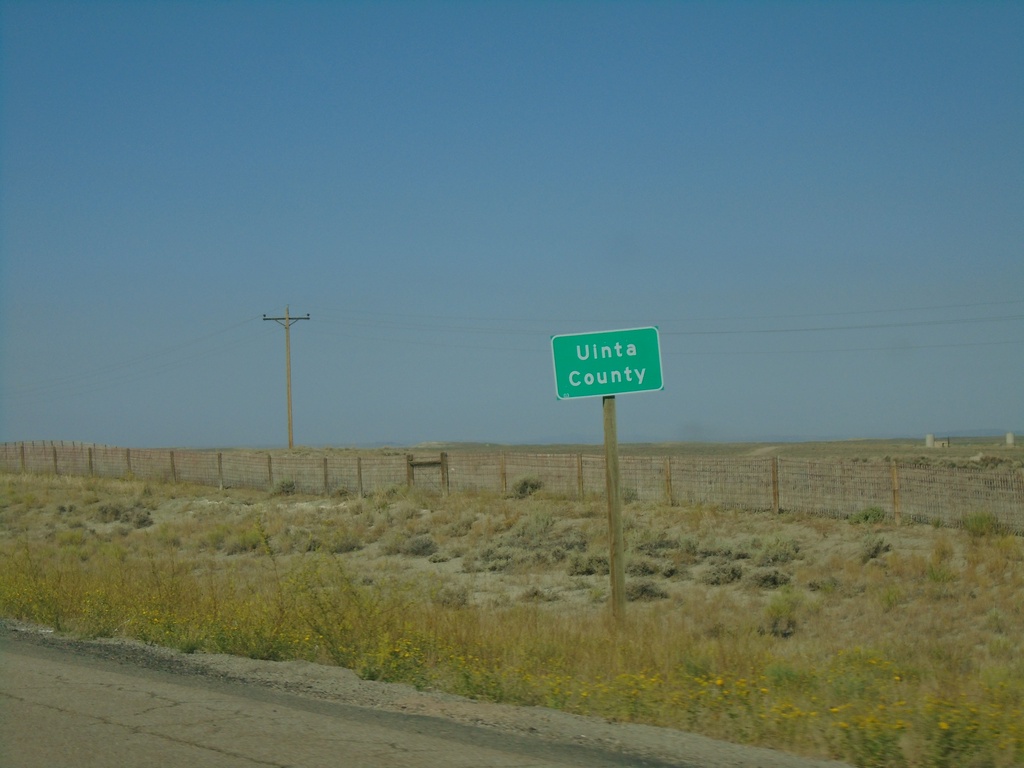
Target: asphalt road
[[63, 706]]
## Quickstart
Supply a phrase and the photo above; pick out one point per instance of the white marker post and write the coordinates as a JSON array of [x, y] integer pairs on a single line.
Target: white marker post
[[603, 365]]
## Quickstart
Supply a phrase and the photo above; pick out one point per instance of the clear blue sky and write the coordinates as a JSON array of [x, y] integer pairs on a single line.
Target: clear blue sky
[[820, 205]]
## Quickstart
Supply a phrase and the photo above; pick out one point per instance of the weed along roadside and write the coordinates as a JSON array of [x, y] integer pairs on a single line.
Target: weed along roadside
[[844, 637], [591, 365]]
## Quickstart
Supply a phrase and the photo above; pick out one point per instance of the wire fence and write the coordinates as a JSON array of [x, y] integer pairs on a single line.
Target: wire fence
[[938, 494]]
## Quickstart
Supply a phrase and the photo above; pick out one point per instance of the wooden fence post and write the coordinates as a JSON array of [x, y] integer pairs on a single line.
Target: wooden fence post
[[359, 475], [775, 484], [444, 473], [270, 470], [89, 459], [668, 481], [22, 452], [579, 476], [128, 461], [895, 474], [220, 470], [54, 449], [410, 477], [327, 488], [503, 473], [174, 472]]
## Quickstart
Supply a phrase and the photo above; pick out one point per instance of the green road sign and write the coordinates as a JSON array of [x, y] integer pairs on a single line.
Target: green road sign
[[607, 363]]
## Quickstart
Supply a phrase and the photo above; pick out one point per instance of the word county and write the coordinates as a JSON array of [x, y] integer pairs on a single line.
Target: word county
[[593, 352]]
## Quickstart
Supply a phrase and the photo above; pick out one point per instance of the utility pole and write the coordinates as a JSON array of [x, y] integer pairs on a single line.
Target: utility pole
[[287, 321]]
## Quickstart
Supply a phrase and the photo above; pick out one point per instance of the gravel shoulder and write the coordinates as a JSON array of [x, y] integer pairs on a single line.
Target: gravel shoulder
[[646, 743]]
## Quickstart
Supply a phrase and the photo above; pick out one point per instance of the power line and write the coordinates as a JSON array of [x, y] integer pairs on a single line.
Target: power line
[[354, 317], [864, 326], [409, 332], [443, 324], [542, 341], [138, 359], [88, 385], [131, 369], [900, 348], [849, 313]]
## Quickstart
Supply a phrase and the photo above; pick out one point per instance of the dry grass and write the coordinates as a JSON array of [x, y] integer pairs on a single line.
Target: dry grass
[[853, 639]]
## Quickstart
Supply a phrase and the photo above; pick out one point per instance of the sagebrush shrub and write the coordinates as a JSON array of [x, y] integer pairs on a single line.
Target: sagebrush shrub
[[527, 486]]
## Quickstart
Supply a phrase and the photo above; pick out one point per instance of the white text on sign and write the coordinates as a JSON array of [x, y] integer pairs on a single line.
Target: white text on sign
[[584, 352]]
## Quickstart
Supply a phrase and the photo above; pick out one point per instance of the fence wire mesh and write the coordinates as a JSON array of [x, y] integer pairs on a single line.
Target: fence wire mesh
[[108, 461], [479, 472], [744, 483], [834, 488], [939, 494], [963, 491], [243, 469]]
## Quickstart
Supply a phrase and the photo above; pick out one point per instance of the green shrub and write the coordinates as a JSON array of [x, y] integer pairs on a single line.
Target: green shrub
[[658, 544], [589, 565], [781, 613], [246, 541], [873, 547], [135, 516], [828, 585], [451, 596], [778, 551], [344, 541], [496, 559], [422, 545], [940, 574], [722, 573], [771, 578], [538, 595], [532, 531], [642, 568], [644, 590], [111, 513], [869, 516], [391, 542], [527, 486], [980, 524]]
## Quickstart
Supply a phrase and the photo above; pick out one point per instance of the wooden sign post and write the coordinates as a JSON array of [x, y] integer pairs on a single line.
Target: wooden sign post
[[606, 364], [617, 554]]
